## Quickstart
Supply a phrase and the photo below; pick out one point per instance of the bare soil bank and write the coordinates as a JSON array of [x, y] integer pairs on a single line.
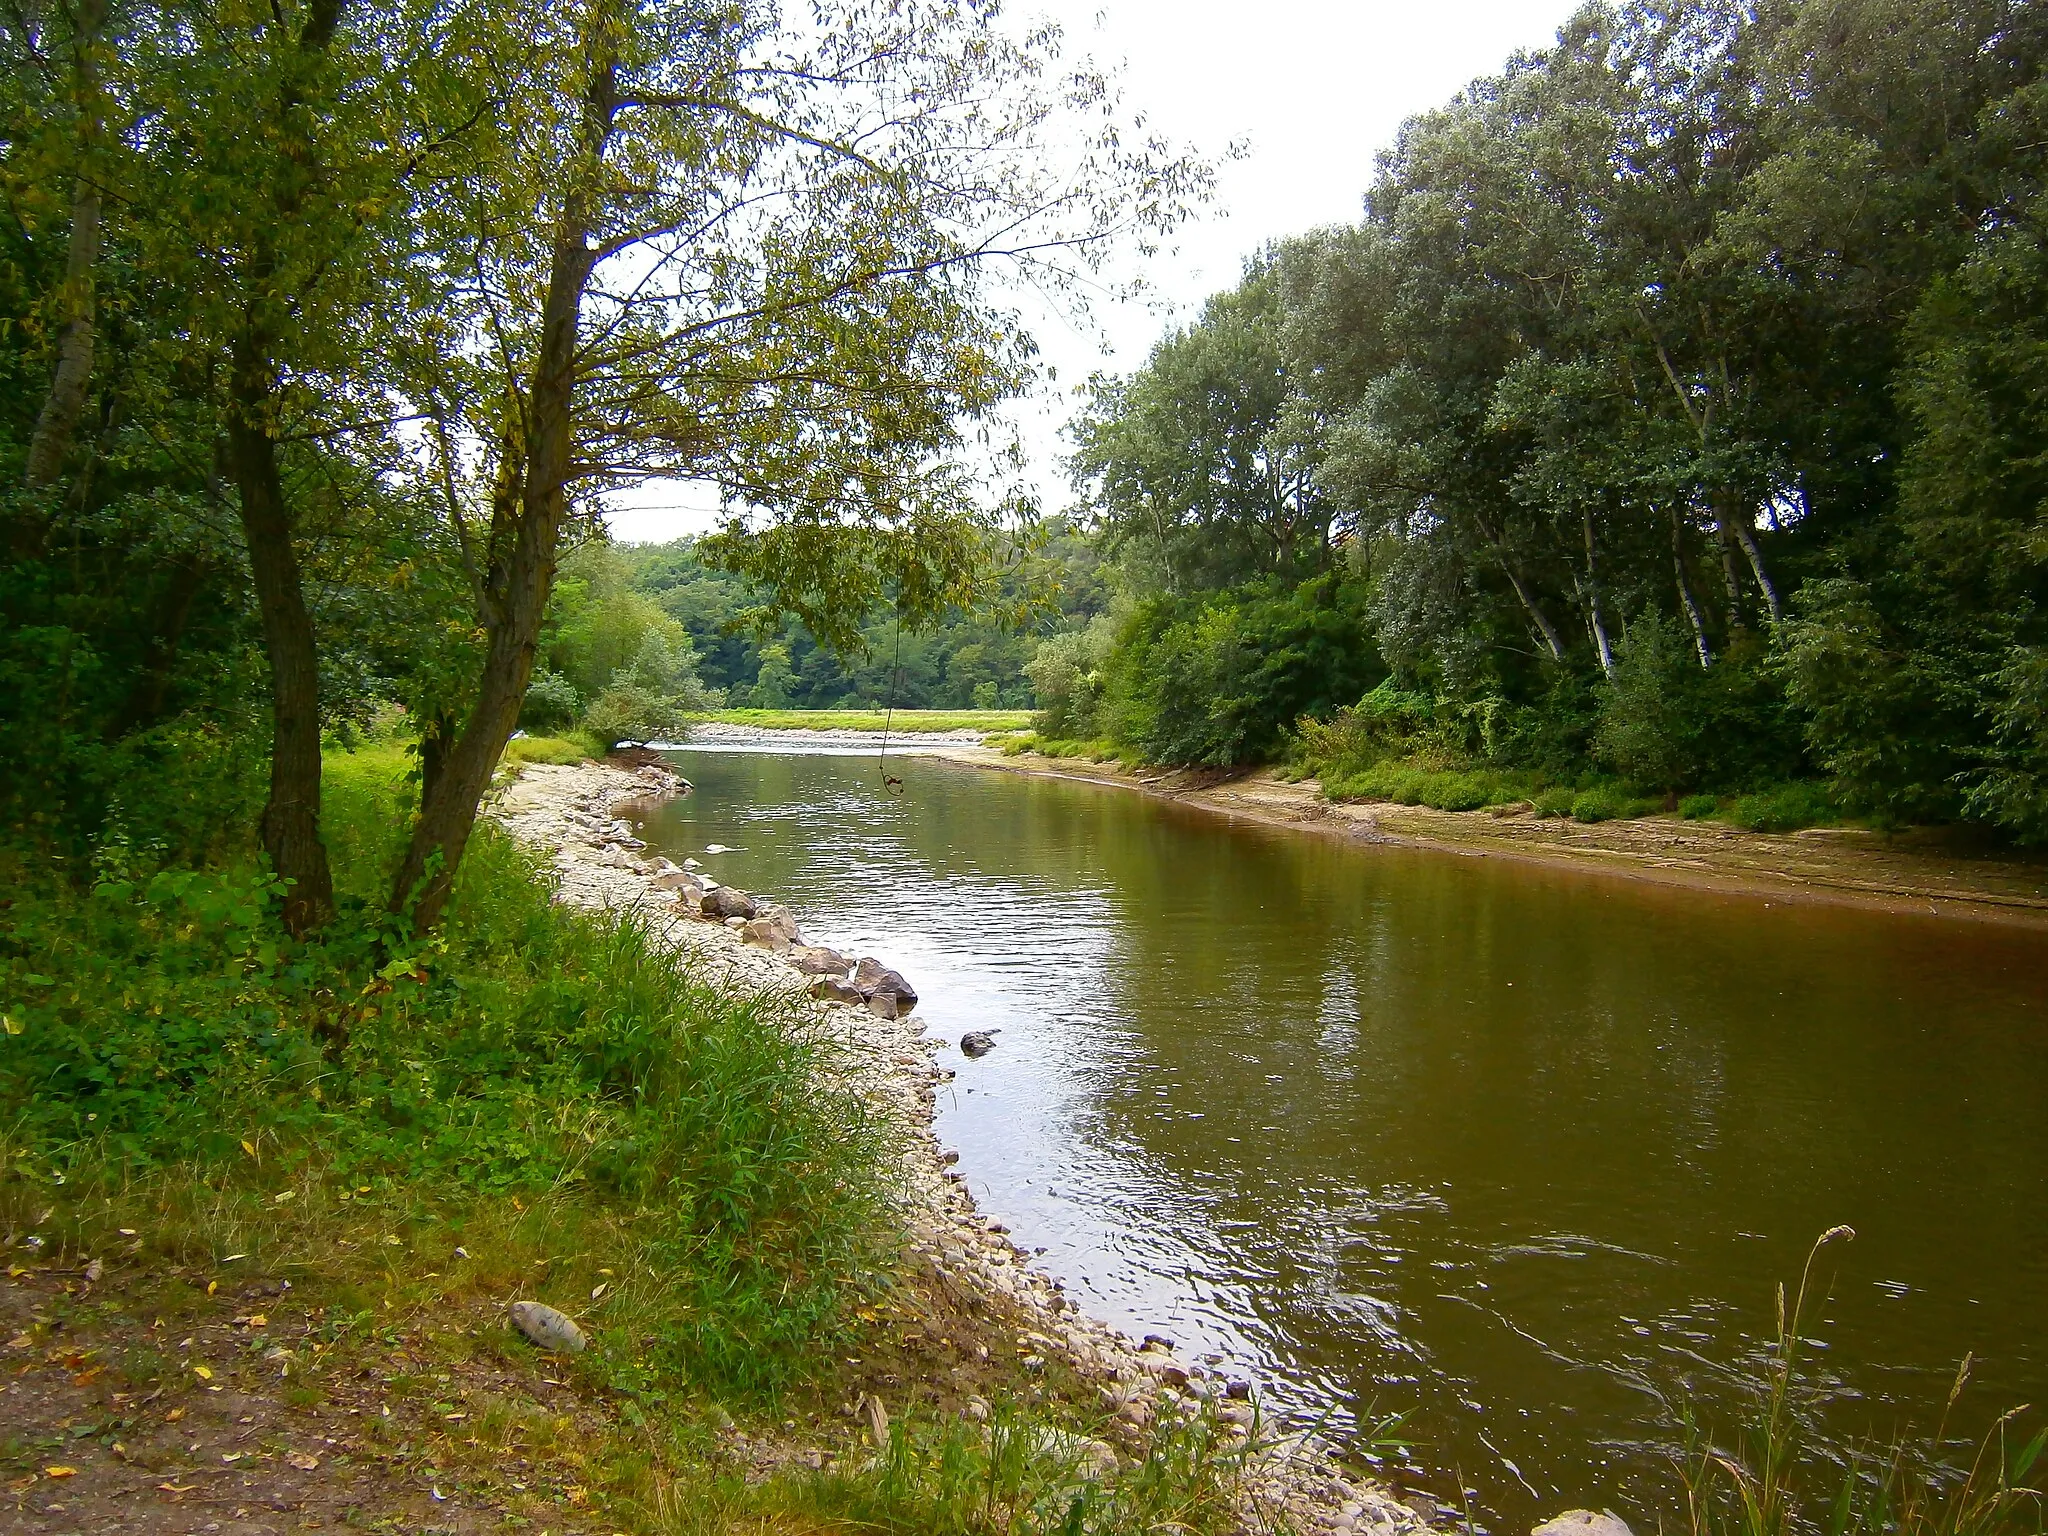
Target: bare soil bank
[[1924, 870]]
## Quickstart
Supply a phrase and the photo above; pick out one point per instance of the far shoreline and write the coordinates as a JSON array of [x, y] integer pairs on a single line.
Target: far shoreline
[[1919, 872]]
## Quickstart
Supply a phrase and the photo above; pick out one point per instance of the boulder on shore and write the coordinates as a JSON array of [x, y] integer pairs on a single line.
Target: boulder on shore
[[874, 980], [816, 960], [765, 933], [830, 989], [727, 901]]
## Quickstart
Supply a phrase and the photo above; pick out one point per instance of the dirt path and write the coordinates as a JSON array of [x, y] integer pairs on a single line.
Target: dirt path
[[1928, 871]]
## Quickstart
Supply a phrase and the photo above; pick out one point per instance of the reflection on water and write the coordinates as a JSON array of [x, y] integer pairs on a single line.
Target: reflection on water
[[1517, 1154]]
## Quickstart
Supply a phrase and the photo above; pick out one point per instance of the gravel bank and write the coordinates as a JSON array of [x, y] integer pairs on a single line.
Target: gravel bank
[[574, 813]]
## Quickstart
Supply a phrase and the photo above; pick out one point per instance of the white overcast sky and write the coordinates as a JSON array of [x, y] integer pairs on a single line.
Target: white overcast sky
[[1314, 88]]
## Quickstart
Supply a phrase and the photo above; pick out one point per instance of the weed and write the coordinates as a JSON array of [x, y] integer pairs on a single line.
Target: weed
[[1699, 807], [1760, 1487], [871, 719]]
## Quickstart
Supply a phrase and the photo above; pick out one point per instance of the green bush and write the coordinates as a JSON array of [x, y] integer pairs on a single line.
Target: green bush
[[1220, 679], [1785, 809], [552, 702], [1555, 802], [1698, 807], [1601, 803]]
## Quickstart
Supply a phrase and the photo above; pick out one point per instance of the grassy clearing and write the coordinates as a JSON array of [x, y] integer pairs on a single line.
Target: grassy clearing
[[871, 719], [163, 1035]]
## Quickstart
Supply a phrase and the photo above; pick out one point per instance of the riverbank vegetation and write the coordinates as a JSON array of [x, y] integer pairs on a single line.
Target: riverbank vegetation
[[1670, 426]]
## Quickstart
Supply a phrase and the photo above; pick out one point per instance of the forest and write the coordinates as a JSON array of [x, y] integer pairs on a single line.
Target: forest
[[1675, 418]]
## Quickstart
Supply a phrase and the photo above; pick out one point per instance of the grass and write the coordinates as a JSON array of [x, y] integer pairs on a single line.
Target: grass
[[871, 719], [1780, 808], [163, 1034], [1017, 743], [576, 747]]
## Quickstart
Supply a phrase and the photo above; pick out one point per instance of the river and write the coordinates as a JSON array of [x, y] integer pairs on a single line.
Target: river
[[1515, 1154]]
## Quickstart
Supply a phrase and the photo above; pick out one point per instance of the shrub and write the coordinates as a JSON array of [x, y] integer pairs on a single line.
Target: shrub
[[552, 702], [1066, 680], [632, 714], [1785, 809], [1601, 803], [1665, 721], [1698, 807], [1221, 679], [1555, 802]]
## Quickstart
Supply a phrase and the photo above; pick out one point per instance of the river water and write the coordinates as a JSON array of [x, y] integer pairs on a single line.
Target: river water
[[1516, 1154]]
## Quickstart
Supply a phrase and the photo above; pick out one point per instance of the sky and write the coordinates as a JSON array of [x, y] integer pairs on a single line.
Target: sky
[[1314, 89]]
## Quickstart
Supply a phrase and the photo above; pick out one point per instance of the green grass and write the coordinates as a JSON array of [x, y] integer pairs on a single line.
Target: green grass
[[535, 1101], [1095, 751], [872, 719], [1442, 789], [161, 1026], [576, 747]]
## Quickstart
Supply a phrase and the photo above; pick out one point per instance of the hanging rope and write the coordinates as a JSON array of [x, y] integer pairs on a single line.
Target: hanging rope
[[891, 786]]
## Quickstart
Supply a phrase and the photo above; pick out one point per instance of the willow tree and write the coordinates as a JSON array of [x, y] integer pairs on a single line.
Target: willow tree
[[709, 241]]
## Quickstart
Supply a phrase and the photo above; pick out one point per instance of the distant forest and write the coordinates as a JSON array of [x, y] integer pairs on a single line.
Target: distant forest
[[659, 620]]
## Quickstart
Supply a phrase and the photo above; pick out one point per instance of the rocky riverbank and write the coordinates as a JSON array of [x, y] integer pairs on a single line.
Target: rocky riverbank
[[866, 1010]]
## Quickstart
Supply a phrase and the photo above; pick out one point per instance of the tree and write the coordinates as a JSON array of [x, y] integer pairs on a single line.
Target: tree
[[760, 259]]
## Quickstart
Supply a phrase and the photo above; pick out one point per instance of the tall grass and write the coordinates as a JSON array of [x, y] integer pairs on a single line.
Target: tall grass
[[1768, 1482], [550, 1075]]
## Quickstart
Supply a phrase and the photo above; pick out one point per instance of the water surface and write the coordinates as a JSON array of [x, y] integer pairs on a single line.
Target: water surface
[[1517, 1154]]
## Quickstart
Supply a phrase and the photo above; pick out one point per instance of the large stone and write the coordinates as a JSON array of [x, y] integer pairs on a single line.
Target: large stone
[[728, 901], [764, 932], [1584, 1522], [873, 979], [830, 989], [978, 1042], [548, 1328], [784, 921], [816, 960], [680, 880]]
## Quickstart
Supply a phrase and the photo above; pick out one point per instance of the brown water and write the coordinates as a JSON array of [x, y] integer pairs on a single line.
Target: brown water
[[1516, 1154]]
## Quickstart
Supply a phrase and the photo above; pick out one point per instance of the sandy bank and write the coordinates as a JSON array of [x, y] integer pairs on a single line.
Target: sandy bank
[[1929, 872], [575, 814]]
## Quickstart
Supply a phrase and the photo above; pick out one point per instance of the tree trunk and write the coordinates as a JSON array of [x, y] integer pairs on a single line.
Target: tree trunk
[[1746, 536], [58, 419], [291, 817], [1595, 621], [526, 526], [519, 583], [1685, 597], [1731, 574], [1544, 627], [145, 703]]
